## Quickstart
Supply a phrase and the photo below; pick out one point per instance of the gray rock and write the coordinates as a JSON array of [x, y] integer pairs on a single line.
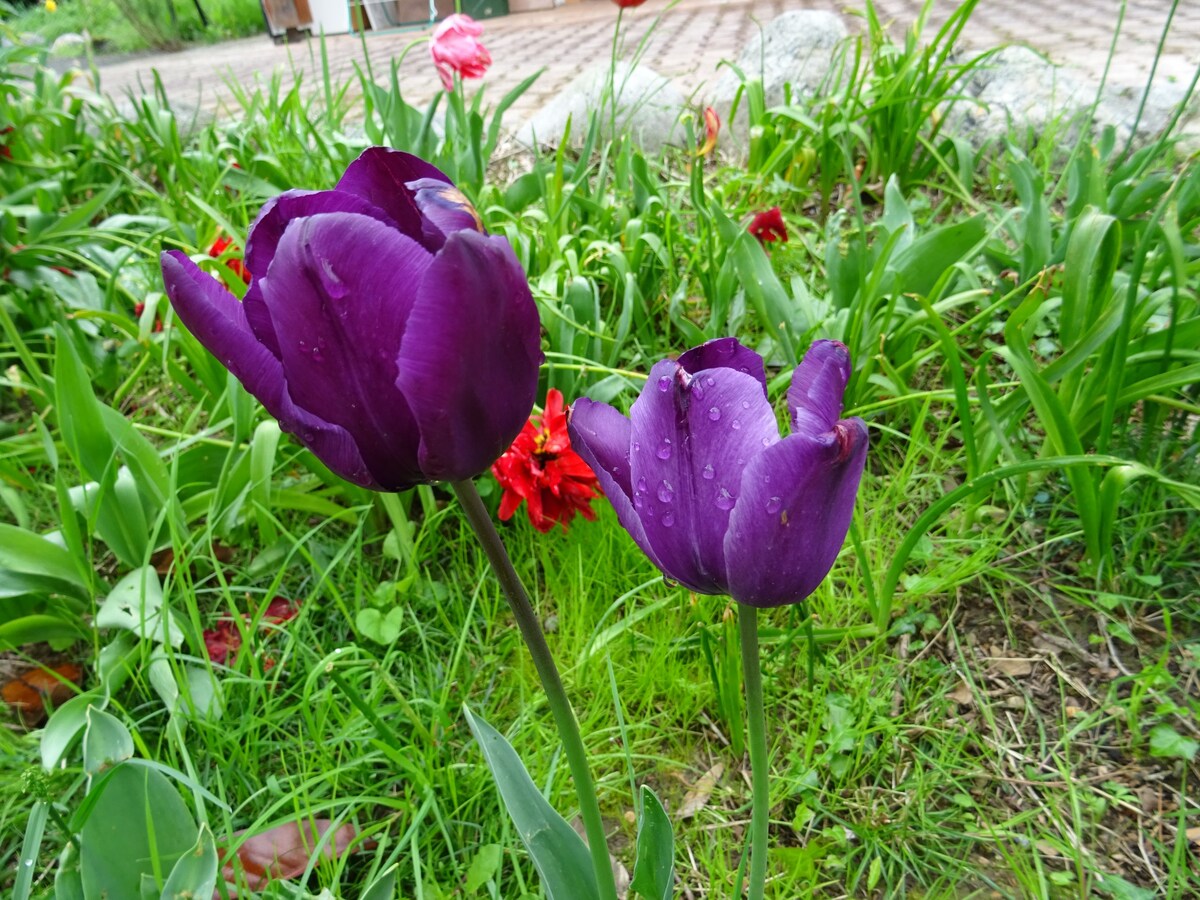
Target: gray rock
[[1018, 89], [796, 48], [648, 107]]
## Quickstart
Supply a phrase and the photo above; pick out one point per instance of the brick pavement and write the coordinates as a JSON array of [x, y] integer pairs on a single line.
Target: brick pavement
[[688, 44]]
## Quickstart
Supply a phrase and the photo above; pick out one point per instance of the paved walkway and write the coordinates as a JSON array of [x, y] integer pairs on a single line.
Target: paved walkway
[[688, 44]]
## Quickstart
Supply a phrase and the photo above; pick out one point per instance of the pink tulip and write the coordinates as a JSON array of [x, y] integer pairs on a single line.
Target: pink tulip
[[455, 47]]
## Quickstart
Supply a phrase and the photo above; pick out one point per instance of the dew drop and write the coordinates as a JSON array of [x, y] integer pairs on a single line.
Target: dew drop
[[639, 499], [665, 492], [724, 499], [636, 446], [714, 413], [668, 519], [309, 437], [766, 442], [697, 392], [710, 381], [708, 472], [664, 449], [774, 505], [736, 425], [641, 485], [664, 383], [745, 404]]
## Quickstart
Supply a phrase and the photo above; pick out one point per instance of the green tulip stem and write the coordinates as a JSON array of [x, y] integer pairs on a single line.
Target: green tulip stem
[[560, 706], [759, 776]]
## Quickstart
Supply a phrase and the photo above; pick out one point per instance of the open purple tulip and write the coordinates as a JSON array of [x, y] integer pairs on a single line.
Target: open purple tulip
[[702, 481], [383, 326]]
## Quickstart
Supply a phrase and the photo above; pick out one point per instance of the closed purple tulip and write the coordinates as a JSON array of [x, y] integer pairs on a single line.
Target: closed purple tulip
[[702, 481], [383, 326]]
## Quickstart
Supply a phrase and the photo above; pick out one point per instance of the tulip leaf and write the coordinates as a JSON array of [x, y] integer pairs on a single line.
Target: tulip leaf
[[137, 825], [106, 741], [66, 722], [195, 874], [560, 855], [136, 604], [654, 869]]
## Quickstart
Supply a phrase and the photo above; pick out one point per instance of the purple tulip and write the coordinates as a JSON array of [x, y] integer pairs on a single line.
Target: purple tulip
[[382, 326], [702, 481]]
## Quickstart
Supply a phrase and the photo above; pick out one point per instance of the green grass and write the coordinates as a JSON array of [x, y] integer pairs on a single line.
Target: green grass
[[130, 26], [995, 694]]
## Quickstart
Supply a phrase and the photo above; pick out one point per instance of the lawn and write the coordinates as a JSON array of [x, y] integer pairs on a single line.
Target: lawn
[[212, 640]]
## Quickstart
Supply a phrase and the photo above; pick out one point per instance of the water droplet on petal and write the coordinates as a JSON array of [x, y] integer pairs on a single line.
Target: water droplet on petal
[[308, 437], [636, 446], [665, 492], [708, 472], [745, 404], [639, 499], [664, 449], [697, 391], [710, 381], [641, 485], [724, 499], [714, 413], [736, 425], [774, 505], [664, 383], [766, 442], [668, 519]]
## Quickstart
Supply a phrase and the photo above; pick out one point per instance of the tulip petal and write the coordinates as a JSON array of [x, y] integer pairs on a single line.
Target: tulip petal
[[218, 321], [445, 206], [278, 212], [470, 354], [727, 353], [600, 435], [691, 438], [259, 318], [339, 292], [818, 385], [797, 498], [381, 176]]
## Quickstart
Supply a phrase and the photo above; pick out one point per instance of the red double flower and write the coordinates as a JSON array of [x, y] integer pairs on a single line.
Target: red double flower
[[541, 468]]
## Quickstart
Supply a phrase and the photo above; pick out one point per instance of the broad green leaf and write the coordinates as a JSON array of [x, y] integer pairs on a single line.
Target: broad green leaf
[[105, 742], [68, 883], [30, 562], [136, 604], [137, 825], [30, 629], [654, 869], [920, 264], [383, 887], [560, 855], [66, 722], [203, 694], [79, 418], [195, 874], [483, 868], [1166, 742]]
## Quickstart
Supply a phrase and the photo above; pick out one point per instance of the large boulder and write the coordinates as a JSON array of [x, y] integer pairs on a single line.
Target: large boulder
[[1017, 89], [796, 48], [648, 107]]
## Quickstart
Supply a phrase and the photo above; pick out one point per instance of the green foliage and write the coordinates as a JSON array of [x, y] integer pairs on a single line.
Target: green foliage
[[1024, 326]]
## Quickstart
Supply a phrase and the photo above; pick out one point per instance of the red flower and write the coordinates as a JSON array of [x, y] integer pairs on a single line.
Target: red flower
[[139, 308], [626, 4], [455, 47], [541, 468], [5, 152], [224, 641], [712, 128], [234, 264], [768, 226]]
